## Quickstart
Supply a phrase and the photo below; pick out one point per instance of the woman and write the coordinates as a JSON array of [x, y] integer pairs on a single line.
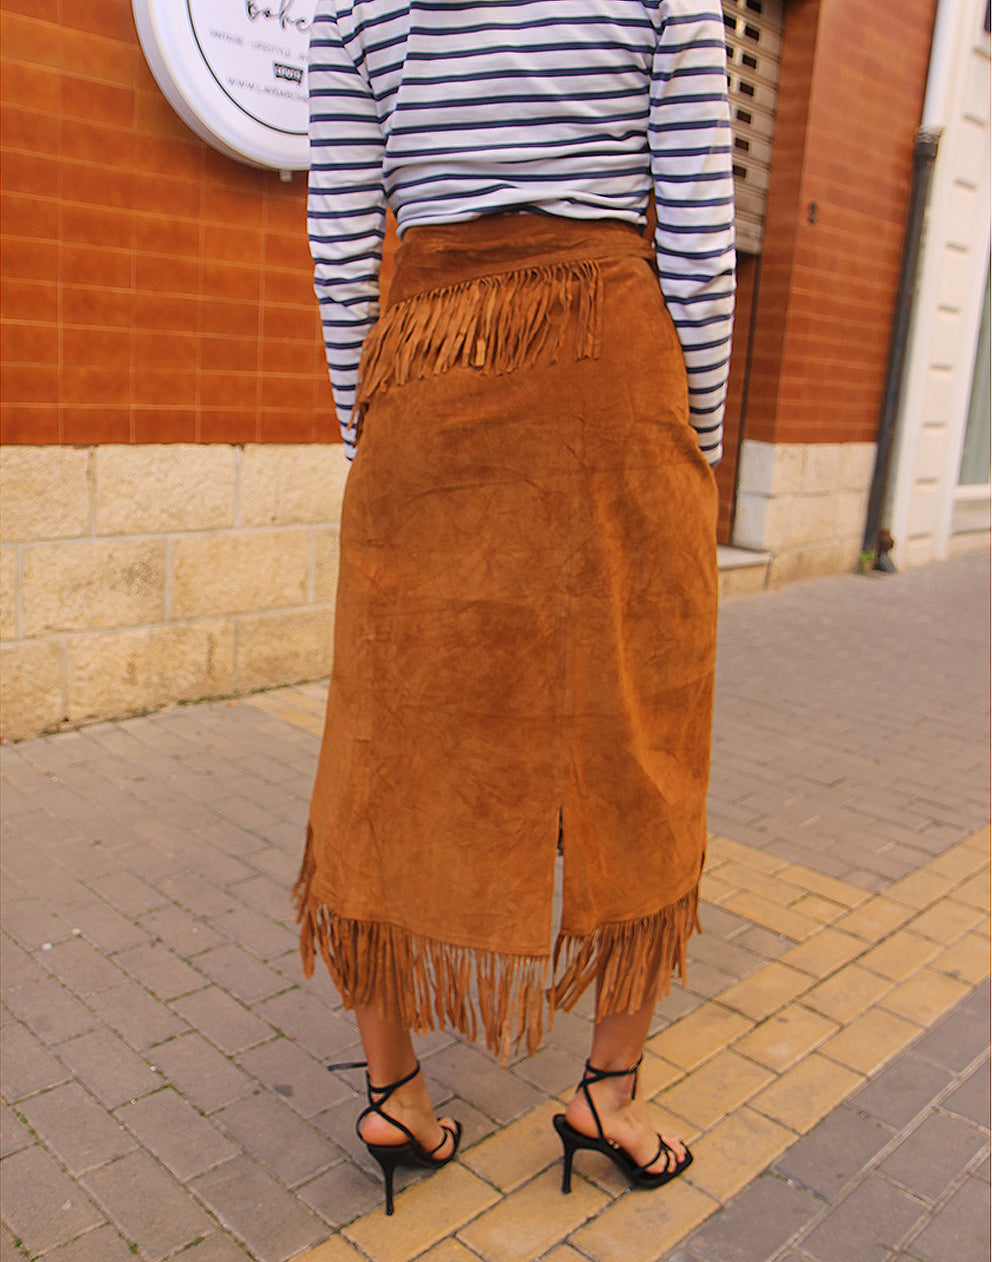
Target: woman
[[525, 629]]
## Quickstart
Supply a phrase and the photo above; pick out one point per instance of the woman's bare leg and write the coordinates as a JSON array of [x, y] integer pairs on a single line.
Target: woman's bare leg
[[390, 1055], [617, 1043]]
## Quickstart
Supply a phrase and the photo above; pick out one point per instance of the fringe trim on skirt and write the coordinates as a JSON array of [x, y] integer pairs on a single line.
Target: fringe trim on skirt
[[494, 324], [431, 985]]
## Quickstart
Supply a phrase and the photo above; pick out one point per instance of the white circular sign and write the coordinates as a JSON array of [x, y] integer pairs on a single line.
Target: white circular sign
[[235, 71]]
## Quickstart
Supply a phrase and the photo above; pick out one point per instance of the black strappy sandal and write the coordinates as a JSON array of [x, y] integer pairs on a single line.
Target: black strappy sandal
[[410, 1153], [571, 1139]]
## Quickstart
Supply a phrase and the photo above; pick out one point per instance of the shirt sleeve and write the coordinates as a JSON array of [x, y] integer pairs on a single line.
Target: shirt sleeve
[[346, 203], [691, 165]]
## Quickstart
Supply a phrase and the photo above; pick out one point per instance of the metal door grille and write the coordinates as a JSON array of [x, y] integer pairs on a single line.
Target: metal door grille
[[754, 52]]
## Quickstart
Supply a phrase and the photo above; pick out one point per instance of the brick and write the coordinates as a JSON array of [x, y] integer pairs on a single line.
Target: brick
[[898, 1092], [826, 886], [173, 1131], [301, 1016], [296, 1077], [152, 1210], [640, 1228], [138, 1018], [959, 1231], [736, 1151], [824, 953], [159, 970], [950, 1147], [425, 1214], [716, 1089], [946, 921], [699, 1036], [807, 1092], [766, 991], [333, 1250], [866, 1224], [899, 956], [342, 1193], [222, 1019], [104, 1243], [920, 889], [216, 1248], [29, 922], [50, 1011], [833, 1153], [201, 1073], [240, 974], [181, 931], [531, 1220], [971, 1099], [478, 1078], [76, 1128], [756, 1224], [515, 1153], [280, 1140], [770, 915], [870, 1040], [975, 893], [14, 1135], [40, 1205], [786, 1037], [846, 994], [926, 996], [25, 1066], [110, 1069]]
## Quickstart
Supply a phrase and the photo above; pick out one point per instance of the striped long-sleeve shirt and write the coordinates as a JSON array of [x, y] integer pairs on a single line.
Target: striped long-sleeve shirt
[[451, 109]]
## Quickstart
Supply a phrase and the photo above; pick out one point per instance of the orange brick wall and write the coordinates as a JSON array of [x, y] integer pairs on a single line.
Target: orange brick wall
[[154, 291], [851, 92]]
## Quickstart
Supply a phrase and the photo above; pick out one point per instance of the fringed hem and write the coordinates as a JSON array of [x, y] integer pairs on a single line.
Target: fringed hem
[[431, 985], [494, 324]]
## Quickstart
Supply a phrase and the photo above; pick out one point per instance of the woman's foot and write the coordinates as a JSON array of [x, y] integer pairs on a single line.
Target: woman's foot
[[410, 1105], [625, 1122]]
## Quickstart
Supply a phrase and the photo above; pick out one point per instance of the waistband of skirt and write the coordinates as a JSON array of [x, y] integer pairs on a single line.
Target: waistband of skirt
[[436, 256]]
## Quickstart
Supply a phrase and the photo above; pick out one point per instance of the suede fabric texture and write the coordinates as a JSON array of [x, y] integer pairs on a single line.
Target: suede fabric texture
[[525, 638]]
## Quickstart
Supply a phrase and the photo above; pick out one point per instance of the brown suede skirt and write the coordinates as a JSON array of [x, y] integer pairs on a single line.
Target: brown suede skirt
[[524, 640]]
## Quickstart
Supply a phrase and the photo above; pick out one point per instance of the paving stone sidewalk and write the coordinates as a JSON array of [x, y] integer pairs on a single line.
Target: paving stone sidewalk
[[163, 1081]]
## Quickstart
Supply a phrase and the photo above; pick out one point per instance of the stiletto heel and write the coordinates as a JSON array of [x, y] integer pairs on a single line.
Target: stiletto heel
[[409, 1153], [571, 1139]]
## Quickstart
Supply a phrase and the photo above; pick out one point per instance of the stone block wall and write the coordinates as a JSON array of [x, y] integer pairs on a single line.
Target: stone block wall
[[804, 504], [136, 576]]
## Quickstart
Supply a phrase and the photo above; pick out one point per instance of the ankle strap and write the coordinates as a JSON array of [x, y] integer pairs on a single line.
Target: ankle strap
[[592, 1075], [385, 1092]]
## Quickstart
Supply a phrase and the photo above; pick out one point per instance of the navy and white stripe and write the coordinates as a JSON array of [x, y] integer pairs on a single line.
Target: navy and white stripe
[[451, 109]]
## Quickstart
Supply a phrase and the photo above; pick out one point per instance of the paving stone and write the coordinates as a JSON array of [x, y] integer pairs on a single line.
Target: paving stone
[[736, 1151], [425, 1213], [955, 1042], [128, 894], [222, 1019], [756, 1223], [301, 1016], [834, 1152], [180, 930], [264, 937], [807, 1092], [303, 1082], [477, 1077], [19, 967], [699, 1036], [267, 1218], [30, 922], [341, 1194], [50, 1011], [240, 974], [515, 1153], [766, 991], [847, 994], [553, 1071], [173, 1131], [103, 1244], [80, 967], [106, 928], [971, 1099], [281, 1141], [202, 1073], [14, 1135], [531, 1220], [147, 1205], [718, 1088], [959, 1232], [156, 968], [198, 895], [214, 1248], [108, 1067], [866, 1225], [76, 1128], [933, 1155], [39, 1204], [25, 1066], [136, 1016], [870, 1040], [897, 1093]]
